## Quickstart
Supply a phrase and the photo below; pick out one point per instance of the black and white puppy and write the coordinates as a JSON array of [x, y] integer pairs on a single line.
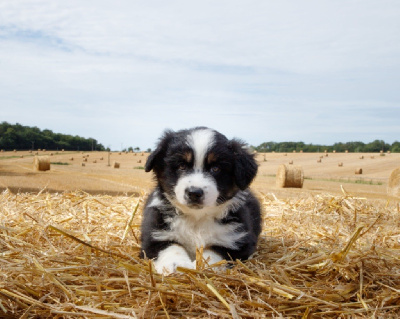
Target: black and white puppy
[[201, 200]]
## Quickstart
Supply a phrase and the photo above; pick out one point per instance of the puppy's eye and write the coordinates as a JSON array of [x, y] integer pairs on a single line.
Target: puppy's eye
[[182, 166], [215, 169]]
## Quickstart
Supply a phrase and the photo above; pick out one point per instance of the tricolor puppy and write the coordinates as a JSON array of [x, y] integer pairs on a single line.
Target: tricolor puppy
[[201, 200]]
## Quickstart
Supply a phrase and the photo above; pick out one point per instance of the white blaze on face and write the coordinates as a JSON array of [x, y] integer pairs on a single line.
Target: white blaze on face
[[200, 141]]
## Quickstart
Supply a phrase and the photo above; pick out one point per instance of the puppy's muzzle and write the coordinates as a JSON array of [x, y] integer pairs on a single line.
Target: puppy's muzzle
[[194, 196]]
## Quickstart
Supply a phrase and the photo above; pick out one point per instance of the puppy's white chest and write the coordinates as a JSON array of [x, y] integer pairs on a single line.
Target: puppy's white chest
[[206, 232]]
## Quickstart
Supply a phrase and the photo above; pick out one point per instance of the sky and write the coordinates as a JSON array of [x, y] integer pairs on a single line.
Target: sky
[[123, 71]]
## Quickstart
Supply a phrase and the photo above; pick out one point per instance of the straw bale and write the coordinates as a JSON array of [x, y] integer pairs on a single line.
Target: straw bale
[[340, 164], [362, 157], [289, 176], [41, 163], [319, 160], [358, 171], [74, 255], [116, 164], [394, 183]]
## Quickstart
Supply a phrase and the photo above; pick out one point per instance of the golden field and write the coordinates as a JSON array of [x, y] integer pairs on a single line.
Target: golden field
[[17, 173], [69, 243]]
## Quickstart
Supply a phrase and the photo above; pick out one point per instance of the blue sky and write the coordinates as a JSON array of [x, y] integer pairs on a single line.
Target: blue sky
[[262, 70]]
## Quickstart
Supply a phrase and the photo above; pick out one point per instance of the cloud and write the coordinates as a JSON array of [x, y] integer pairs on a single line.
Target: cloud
[[261, 70]]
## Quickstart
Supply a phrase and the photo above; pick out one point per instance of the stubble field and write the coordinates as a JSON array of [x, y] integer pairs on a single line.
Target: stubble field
[[70, 242], [96, 177]]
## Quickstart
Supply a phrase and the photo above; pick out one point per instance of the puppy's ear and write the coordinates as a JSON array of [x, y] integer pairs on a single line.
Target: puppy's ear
[[155, 160], [245, 165]]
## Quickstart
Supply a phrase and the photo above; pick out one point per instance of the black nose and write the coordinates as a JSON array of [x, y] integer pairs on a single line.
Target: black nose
[[194, 195]]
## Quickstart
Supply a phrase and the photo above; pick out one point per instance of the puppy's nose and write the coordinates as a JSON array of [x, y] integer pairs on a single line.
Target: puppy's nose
[[194, 194]]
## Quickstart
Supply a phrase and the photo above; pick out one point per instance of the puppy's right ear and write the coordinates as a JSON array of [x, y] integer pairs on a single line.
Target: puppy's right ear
[[155, 160]]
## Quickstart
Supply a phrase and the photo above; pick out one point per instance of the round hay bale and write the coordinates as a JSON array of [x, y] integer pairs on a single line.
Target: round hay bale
[[340, 164], [346, 151], [362, 157], [83, 164], [71, 159], [289, 176], [319, 160], [358, 171], [394, 183], [116, 165], [41, 163], [326, 154], [94, 161], [290, 162]]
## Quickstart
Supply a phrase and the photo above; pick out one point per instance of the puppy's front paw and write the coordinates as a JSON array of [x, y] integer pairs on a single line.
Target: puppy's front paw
[[172, 257], [169, 267]]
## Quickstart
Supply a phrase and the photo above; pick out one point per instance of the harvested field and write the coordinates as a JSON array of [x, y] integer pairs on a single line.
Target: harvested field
[[70, 250], [75, 255]]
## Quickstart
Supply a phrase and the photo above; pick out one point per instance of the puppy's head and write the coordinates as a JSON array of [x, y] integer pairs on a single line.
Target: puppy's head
[[200, 168]]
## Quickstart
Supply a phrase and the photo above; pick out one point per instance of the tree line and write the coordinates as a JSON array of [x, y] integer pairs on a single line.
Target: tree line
[[356, 147], [20, 137]]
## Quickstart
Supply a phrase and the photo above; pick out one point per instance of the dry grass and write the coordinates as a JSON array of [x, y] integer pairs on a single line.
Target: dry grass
[[74, 255]]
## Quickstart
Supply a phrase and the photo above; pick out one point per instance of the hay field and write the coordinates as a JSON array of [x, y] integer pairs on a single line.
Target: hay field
[[70, 250]]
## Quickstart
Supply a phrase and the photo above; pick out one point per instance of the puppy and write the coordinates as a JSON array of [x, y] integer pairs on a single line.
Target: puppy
[[201, 200]]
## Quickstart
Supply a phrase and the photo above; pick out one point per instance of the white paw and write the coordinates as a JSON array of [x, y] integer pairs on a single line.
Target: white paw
[[172, 257]]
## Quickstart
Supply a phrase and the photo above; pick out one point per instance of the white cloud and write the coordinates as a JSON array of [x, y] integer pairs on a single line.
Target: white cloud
[[261, 70]]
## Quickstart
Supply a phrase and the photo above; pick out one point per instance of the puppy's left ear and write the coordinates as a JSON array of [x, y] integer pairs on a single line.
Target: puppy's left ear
[[155, 161], [245, 165]]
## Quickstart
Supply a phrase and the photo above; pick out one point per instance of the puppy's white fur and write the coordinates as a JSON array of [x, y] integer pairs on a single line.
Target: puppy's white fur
[[172, 257], [200, 141], [198, 180]]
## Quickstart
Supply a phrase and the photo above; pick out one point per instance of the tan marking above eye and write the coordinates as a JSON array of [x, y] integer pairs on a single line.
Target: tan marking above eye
[[188, 156], [211, 158]]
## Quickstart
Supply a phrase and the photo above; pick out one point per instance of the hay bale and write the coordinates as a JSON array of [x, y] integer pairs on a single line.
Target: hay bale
[[340, 164], [41, 163], [290, 162], [361, 157], [290, 176], [116, 165], [394, 183], [358, 171], [83, 164], [319, 160]]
